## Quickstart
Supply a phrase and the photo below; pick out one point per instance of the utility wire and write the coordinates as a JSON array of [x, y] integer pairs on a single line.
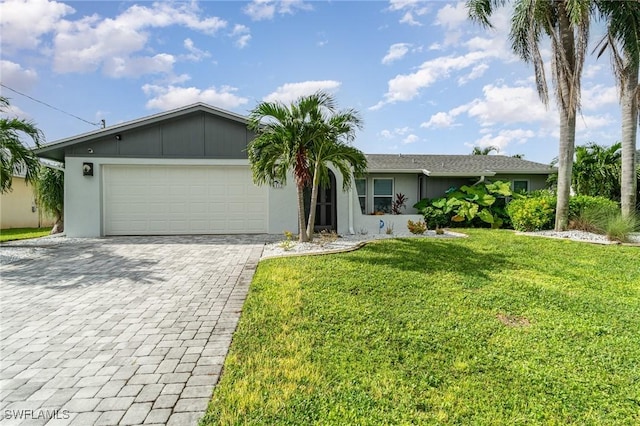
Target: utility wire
[[101, 124]]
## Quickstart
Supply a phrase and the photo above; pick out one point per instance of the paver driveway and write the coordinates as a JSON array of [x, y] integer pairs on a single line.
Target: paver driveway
[[127, 330]]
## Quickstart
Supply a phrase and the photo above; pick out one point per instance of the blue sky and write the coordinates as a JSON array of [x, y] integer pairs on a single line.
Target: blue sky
[[424, 78]]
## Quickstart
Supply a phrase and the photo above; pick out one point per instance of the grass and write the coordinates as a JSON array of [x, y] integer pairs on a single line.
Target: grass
[[23, 233], [493, 329]]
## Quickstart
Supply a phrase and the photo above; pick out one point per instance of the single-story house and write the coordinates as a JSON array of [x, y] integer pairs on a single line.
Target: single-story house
[[186, 171], [18, 206]]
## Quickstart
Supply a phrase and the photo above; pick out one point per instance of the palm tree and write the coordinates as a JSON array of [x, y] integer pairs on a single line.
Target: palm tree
[[623, 41], [50, 195], [596, 170], [484, 151], [332, 147], [566, 23], [13, 153], [295, 138]]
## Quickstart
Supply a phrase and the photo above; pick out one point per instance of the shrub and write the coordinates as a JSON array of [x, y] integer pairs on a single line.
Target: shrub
[[532, 214], [416, 228], [434, 217], [618, 227], [606, 221], [475, 205], [595, 205]]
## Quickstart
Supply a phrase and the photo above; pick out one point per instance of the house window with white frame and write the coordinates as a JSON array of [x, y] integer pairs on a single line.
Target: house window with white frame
[[382, 195], [361, 187], [520, 186]]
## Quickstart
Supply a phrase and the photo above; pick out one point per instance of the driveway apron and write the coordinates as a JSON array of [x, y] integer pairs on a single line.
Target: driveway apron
[[127, 330]]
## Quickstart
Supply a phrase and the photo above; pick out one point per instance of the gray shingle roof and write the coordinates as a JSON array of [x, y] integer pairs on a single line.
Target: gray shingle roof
[[435, 165]]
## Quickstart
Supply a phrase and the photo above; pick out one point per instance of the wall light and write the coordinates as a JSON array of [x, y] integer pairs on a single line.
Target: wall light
[[87, 169], [118, 137]]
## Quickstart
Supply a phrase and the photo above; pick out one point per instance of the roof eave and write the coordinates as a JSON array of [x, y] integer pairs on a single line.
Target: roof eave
[[413, 171]]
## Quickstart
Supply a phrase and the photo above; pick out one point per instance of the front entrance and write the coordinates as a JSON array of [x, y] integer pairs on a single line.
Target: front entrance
[[326, 212]]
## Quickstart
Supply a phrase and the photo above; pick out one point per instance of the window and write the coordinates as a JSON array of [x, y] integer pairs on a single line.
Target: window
[[361, 187], [520, 186], [382, 195]]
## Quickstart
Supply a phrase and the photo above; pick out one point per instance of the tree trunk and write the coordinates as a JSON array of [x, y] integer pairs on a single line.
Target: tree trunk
[[314, 201], [568, 90], [302, 229], [629, 100], [58, 226]]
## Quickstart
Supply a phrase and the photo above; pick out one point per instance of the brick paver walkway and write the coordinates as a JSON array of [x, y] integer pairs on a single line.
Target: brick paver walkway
[[130, 330]]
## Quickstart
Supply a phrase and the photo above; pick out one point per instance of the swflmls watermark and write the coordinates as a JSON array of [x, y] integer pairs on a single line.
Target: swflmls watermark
[[42, 414]]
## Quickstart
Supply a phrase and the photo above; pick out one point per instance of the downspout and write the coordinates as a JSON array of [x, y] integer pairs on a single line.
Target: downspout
[[480, 181], [351, 231]]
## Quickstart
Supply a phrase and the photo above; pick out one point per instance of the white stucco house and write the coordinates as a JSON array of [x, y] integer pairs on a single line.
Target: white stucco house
[[186, 171]]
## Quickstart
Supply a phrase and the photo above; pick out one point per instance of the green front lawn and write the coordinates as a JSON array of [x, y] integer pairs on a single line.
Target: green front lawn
[[491, 329], [23, 233]]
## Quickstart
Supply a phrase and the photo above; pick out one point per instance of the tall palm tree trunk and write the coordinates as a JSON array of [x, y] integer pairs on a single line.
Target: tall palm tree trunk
[[314, 201], [568, 91], [302, 228], [565, 166], [629, 102]]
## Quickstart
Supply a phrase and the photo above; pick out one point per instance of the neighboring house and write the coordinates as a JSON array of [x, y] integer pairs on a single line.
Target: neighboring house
[[18, 208], [186, 171]]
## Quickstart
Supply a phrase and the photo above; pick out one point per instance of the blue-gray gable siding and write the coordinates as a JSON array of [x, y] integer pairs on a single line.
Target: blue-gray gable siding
[[197, 135]]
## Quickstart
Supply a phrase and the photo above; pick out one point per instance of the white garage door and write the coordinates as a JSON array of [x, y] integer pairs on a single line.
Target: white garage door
[[156, 200]]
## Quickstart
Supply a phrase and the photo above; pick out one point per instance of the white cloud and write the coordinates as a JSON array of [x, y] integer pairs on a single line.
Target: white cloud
[[504, 138], [396, 52], [259, 10], [169, 97], [591, 71], [117, 67], [405, 87], [396, 5], [477, 72], [587, 123], [452, 16], [23, 22], [439, 120], [409, 8], [410, 139], [16, 77], [598, 96], [386, 134], [505, 104], [114, 44], [242, 34], [399, 132], [289, 92], [195, 54], [408, 19]]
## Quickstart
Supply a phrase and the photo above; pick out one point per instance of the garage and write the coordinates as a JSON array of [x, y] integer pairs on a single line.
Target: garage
[[181, 199]]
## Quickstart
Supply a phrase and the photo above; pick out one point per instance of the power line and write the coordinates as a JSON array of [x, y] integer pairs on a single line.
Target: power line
[[101, 124]]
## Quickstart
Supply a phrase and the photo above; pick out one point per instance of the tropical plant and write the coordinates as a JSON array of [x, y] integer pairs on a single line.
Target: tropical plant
[[484, 151], [596, 171], [304, 138], [50, 195], [13, 153], [416, 228], [566, 24], [399, 203], [467, 203], [623, 42]]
